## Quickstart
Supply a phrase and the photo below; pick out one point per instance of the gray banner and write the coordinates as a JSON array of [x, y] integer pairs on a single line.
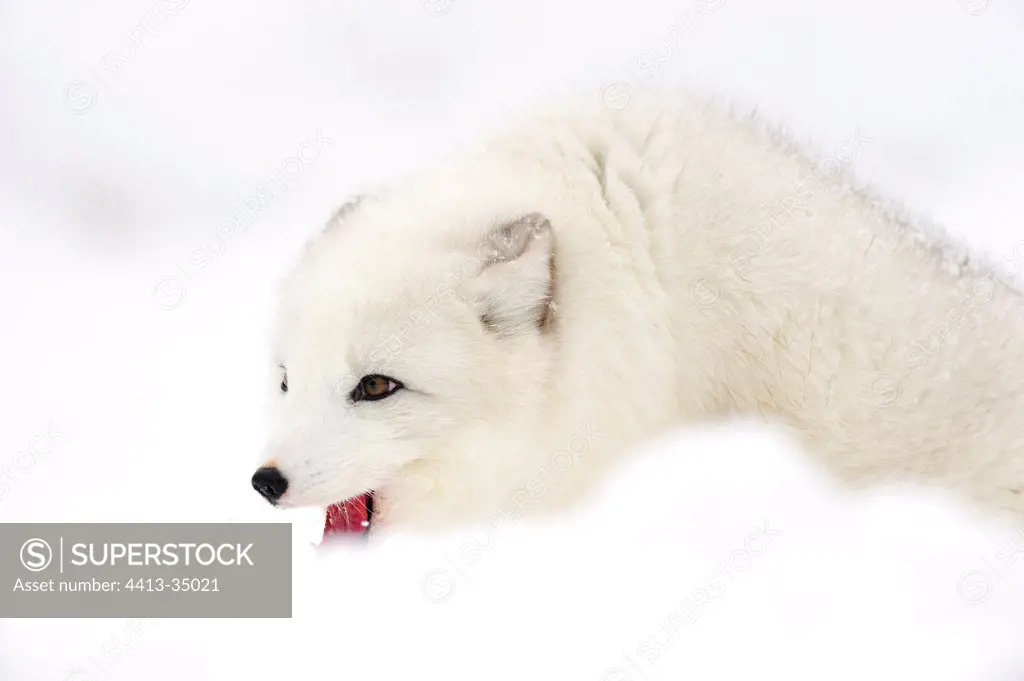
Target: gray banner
[[145, 570]]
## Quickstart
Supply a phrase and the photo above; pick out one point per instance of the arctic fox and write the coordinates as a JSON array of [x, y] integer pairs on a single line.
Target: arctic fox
[[490, 335]]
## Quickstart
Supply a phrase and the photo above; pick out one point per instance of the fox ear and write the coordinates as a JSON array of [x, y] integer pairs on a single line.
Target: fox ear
[[514, 289], [346, 209]]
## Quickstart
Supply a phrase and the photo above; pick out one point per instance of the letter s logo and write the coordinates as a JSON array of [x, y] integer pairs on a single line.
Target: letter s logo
[[36, 555]]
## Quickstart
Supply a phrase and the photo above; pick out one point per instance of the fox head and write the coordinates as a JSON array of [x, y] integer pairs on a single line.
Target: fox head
[[401, 336]]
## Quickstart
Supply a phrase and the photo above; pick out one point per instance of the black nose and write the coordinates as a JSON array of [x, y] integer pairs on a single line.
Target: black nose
[[270, 483]]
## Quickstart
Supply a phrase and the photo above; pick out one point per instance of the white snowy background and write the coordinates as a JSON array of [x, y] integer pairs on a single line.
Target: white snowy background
[[126, 148]]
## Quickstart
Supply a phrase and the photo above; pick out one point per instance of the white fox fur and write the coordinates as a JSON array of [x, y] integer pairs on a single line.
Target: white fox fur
[[591, 276]]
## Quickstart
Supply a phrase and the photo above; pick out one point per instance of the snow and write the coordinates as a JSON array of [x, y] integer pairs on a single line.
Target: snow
[[138, 342]]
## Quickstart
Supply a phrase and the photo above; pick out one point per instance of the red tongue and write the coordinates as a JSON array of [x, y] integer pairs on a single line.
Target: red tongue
[[349, 516]]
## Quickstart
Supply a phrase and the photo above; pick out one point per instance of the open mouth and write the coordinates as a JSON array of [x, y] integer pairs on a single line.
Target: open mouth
[[352, 516]]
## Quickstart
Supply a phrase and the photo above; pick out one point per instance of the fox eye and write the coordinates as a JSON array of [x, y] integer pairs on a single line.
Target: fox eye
[[284, 379], [374, 387]]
